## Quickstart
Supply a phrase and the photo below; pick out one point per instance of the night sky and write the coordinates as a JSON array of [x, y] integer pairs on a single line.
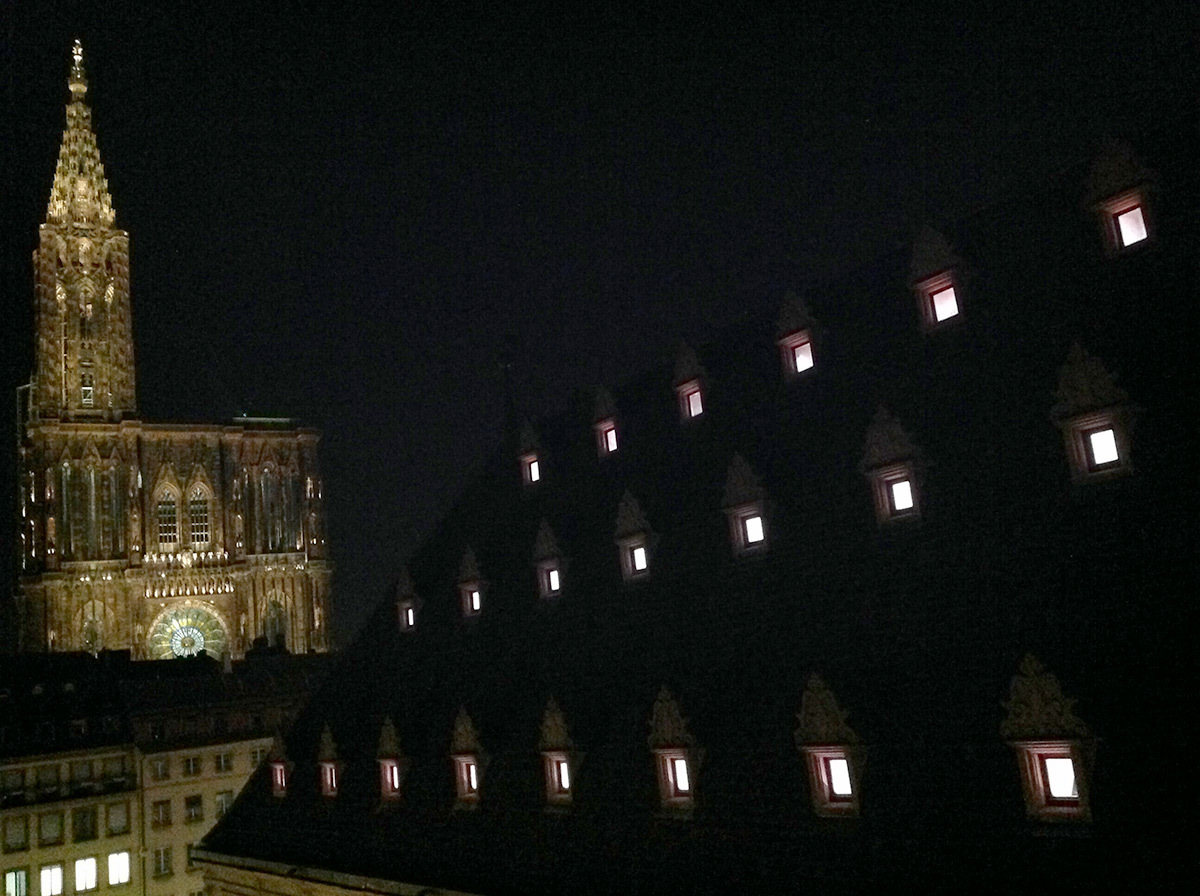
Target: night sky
[[351, 217]]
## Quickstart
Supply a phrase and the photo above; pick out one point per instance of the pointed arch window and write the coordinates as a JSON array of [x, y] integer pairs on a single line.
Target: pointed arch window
[[166, 515], [87, 390], [198, 518]]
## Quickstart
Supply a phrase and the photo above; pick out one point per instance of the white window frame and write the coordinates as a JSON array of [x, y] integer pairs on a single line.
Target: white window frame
[[50, 879], [550, 578], [329, 778], [470, 596], [468, 778], [929, 288], [1040, 803], [118, 868], [1112, 209], [1077, 433], [559, 777], [675, 791], [531, 468], [390, 778], [739, 528], [87, 875], [606, 437], [628, 549], [883, 482]]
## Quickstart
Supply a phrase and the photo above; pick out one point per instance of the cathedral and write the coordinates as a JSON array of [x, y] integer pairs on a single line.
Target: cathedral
[[164, 539]]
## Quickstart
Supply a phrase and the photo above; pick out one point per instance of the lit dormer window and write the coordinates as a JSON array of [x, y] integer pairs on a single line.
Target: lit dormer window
[[689, 379], [691, 399], [470, 586], [890, 463], [279, 778], [633, 539], [547, 561], [558, 754], [329, 779], [744, 498], [1094, 416], [406, 602], [674, 756], [531, 469], [1050, 741], [393, 765], [327, 762], [606, 437], [1118, 191], [935, 278], [797, 352], [830, 750], [468, 758]]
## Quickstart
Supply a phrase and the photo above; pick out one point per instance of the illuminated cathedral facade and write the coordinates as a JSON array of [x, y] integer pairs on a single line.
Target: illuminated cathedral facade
[[164, 539]]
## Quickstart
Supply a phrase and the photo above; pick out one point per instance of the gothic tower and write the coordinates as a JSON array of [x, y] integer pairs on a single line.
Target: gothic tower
[[83, 369], [161, 538]]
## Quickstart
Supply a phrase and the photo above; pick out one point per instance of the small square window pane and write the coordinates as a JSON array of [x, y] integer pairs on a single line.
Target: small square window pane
[[802, 357], [682, 782], [552, 579], [695, 404], [839, 777], [639, 559], [1104, 447], [902, 498], [1132, 226], [1060, 778], [535, 472], [610, 439], [945, 304], [754, 529]]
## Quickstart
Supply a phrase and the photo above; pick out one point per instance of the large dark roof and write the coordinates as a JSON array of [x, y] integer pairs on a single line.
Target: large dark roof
[[917, 627]]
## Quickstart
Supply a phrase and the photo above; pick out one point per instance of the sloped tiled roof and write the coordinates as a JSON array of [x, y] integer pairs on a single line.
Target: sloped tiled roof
[[918, 628]]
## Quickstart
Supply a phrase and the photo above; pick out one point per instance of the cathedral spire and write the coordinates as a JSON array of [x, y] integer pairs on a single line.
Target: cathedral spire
[[80, 192]]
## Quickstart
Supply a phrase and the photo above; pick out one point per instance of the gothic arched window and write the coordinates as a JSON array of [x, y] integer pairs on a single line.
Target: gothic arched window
[[166, 514], [198, 518], [275, 627]]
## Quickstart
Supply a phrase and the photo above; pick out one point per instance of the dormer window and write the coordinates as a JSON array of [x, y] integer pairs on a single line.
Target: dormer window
[[470, 586], [467, 778], [389, 778], [408, 615], [938, 297], [743, 504], [829, 747], [279, 778], [606, 437], [797, 352], [691, 400], [635, 559], [674, 756], [329, 779], [471, 595], [1126, 220], [1095, 418], [891, 463], [549, 578], [531, 469], [1049, 741], [557, 767]]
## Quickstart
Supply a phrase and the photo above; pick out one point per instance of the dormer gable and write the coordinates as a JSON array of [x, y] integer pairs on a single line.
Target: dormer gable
[[675, 754], [1119, 195], [745, 508], [892, 464], [470, 585], [633, 539], [393, 764], [548, 562], [1095, 417], [690, 380], [469, 761], [794, 336], [830, 749], [559, 759]]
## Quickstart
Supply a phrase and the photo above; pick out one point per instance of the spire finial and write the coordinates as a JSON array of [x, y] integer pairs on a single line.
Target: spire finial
[[78, 81]]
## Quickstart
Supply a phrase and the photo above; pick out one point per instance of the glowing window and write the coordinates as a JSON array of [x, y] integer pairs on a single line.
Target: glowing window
[[902, 496], [52, 880], [467, 778], [534, 472], [802, 357], [839, 777], [1103, 446], [945, 304], [471, 594], [1060, 778], [553, 581], [118, 868], [610, 439], [408, 616], [472, 776], [752, 526], [1131, 225], [638, 558], [564, 775], [16, 882], [475, 601], [679, 775], [329, 779], [279, 778], [531, 469], [695, 404], [85, 874]]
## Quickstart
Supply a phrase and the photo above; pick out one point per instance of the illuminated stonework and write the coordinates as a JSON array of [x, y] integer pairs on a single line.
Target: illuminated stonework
[[122, 522]]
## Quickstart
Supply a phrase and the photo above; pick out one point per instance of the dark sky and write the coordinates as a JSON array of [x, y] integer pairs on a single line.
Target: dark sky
[[344, 217]]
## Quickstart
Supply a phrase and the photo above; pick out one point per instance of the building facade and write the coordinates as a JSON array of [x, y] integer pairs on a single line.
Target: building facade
[[159, 538]]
